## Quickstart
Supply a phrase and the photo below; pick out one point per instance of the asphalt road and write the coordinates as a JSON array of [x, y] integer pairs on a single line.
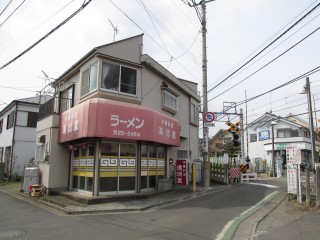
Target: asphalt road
[[198, 218]]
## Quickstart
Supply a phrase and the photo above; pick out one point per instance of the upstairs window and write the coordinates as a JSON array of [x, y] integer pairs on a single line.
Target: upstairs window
[[194, 114], [1, 124], [10, 120], [287, 133], [32, 119], [66, 99], [119, 78], [89, 79], [170, 101], [253, 137]]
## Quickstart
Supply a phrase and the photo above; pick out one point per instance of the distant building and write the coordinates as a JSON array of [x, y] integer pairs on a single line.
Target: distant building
[[288, 131], [118, 119], [18, 123], [218, 143]]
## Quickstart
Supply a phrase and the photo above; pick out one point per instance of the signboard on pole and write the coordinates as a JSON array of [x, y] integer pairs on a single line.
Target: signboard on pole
[[208, 124], [293, 168], [181, 172]]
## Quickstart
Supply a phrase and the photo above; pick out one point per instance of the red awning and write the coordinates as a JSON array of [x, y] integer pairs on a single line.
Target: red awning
[[118, 120]]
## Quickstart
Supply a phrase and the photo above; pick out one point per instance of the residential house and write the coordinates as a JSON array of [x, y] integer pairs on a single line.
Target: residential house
[[287, 131], [18, 121], [218, 143], [117, 121]]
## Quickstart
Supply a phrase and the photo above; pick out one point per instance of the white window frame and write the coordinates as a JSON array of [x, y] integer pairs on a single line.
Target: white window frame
[[120, 83], [194, 114], [169, 100], [91, 87]]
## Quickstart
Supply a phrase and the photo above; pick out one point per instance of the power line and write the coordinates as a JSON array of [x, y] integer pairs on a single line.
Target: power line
[[285, 98], [273, 48], [186, 50], [171, 57], [281, 35], [12, 13], [20, 89], [29, 32], [146, 9], [268, 39], [6, 7], [48, 34], [267, 63], [317, 69]]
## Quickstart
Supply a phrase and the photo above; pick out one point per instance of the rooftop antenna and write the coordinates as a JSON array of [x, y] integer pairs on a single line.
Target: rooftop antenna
[[46, 77], [115, 31]]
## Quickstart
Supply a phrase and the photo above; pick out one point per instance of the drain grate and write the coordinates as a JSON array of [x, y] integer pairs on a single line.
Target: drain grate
[[11, 234]]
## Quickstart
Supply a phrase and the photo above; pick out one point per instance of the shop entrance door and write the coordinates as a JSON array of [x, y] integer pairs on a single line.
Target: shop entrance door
[[82, 168], [118, 167], [152, 166]]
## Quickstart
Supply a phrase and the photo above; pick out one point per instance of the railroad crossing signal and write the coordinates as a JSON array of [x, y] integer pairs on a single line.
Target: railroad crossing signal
[[235, 139], [233, 127]]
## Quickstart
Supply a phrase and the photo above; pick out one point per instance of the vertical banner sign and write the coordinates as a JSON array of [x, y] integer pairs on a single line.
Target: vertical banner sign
[[181, 172], [293, 161]]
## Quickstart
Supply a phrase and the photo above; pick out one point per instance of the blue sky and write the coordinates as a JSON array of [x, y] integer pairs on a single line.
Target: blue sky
[[236, 29]]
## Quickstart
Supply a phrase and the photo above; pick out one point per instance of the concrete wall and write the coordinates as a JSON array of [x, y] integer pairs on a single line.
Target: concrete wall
[[55, 171]]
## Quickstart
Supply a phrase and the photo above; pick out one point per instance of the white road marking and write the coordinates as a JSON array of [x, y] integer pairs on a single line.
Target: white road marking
[[265, 185]]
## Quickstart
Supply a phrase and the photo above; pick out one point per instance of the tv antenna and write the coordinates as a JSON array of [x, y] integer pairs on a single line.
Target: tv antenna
[[115, 30]]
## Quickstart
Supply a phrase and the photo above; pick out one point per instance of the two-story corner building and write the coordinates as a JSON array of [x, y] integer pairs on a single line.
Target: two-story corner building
[[116, 122], [287, 131], [18, 121]]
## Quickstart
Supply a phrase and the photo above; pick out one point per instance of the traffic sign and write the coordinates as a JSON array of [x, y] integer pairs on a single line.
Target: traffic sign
[[209, 117]]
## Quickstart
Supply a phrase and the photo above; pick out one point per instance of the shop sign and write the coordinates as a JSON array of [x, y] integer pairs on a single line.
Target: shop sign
[[264, 135], [281, 146], [112, 119], [181, 172]]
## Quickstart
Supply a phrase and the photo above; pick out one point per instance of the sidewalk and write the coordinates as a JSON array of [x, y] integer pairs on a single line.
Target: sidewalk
[[67, 206]]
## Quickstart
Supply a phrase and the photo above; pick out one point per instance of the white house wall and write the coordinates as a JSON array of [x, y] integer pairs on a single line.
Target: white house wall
[[6, 135], [23, 153]]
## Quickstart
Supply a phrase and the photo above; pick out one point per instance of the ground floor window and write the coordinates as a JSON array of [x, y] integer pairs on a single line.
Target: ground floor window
[[118, 166], [82, 168], [121, 169], [152, 165]]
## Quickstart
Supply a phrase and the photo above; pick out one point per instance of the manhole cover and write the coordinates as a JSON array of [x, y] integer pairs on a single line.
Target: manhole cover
[[11, 234]]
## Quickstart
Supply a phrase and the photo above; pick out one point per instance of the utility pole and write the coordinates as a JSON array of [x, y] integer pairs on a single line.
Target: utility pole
[[206, 164], [247, 134], [204, 95], [312, 139], [242, 133]]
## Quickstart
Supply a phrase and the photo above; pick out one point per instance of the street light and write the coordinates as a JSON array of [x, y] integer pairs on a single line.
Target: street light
[[272, 157]]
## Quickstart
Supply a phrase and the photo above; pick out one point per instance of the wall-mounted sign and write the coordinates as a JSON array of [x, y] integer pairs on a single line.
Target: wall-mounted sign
[[264, 135]]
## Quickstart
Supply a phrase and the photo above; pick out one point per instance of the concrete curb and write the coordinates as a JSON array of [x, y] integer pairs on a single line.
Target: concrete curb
[[247, 227]]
